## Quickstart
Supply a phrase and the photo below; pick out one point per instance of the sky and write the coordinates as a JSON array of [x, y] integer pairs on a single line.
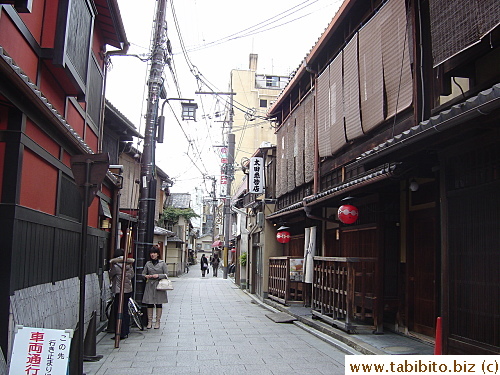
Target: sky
[[217, 36]]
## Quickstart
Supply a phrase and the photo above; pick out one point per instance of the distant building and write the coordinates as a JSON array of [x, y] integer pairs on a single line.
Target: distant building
[[176, 252], [256, 92]]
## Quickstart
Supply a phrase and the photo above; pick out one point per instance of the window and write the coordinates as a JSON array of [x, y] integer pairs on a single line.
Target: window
[[73, 41], [263, 103], [272, 81], [70, 201], [95, 92]]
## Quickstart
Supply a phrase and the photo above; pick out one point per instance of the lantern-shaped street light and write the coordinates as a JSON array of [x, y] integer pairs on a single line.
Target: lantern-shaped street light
[[188, 113], [189, 110], [283, 236]]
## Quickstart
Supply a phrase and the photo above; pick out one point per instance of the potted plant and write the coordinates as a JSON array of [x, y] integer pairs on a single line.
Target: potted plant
[[243, 259]]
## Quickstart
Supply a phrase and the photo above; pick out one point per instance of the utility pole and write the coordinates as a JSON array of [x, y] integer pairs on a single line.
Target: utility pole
[[230, 176], [227, 200], [148, 182], [214, 208], [229, 172]]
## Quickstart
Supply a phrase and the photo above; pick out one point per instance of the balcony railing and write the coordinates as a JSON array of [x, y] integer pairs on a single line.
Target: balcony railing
[[281, 287], [345, 291]]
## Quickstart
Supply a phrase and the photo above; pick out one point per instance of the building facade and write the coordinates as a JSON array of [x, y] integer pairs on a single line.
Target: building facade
[[254, 94], [395, 111], [52, 74]]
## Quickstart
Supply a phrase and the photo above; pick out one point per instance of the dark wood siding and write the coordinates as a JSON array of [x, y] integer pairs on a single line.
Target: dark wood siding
[[474, 237], [46, 249], [473, 183]]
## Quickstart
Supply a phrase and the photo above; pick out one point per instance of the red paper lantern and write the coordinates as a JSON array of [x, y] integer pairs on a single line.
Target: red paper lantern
[[348, 213], [283, 236]]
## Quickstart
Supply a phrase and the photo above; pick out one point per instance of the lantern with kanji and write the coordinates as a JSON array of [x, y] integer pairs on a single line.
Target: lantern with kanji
[[283, 236], [348, 214]]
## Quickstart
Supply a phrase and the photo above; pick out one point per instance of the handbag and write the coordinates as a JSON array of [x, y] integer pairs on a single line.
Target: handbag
[[165, 284]]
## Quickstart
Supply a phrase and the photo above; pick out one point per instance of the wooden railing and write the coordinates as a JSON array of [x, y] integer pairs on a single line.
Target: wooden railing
[[345, 291], [281, 288]]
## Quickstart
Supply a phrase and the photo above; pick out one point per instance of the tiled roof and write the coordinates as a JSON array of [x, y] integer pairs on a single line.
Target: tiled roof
[[476, 106]]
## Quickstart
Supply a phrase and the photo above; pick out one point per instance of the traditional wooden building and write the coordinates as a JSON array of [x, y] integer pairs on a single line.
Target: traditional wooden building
[[254, 237], [52, 74], [395, 111]]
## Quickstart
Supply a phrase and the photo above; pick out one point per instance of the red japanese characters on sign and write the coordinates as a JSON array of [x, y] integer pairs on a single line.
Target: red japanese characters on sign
[[40, 350]]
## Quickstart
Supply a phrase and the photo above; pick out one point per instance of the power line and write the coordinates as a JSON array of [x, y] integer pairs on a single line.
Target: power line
[[255, 29]]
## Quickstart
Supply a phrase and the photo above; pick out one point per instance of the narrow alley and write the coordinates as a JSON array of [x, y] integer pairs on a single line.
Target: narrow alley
[[212, 326]]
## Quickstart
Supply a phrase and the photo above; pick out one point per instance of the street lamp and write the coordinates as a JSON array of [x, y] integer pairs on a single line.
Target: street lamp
[[189, 110], [188, 113]]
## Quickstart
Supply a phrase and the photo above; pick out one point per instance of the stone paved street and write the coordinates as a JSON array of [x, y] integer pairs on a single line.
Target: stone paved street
[[211, 326]]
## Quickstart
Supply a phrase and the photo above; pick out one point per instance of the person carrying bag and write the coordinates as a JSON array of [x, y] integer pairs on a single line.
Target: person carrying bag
[[204, 265], [154, 271]]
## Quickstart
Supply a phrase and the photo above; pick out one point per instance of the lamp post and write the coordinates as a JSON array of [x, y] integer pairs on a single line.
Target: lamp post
[[188, 113]]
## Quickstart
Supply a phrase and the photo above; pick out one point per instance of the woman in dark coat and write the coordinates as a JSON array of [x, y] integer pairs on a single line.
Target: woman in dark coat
[[154, 270], [204, 265], [115, 275], [215, 265]]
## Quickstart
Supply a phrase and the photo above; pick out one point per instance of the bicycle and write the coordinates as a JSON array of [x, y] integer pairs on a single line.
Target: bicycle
[[133, 310]]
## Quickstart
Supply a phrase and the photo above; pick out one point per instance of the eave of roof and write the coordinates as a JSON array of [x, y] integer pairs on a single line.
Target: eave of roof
[[485, 102], [312, 55], [124, 120], [374, 175], [163, 232], [36, 98], [111, 23]]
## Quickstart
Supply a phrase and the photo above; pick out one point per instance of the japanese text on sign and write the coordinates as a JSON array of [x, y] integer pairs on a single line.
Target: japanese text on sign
[[40, 351], [256, 176]]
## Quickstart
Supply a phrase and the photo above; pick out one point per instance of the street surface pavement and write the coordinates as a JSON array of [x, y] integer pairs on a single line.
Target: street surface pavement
[[211, 326]]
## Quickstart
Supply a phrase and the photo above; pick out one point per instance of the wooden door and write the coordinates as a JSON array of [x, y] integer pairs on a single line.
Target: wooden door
[[422, 282], [259, 270]]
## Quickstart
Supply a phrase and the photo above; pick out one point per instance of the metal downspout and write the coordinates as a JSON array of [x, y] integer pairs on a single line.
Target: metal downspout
[[308, 209]]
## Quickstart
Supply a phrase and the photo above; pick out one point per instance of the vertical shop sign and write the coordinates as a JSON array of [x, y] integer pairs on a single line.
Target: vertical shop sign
[[256, 175]]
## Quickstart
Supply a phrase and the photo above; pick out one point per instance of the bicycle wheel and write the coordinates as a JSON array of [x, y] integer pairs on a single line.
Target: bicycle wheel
[[108, 308], [135, 313]]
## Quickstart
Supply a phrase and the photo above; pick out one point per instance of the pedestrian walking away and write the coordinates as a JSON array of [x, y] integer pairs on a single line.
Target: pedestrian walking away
[[154, 270], [115, 275], [215, 265], [204, 265]]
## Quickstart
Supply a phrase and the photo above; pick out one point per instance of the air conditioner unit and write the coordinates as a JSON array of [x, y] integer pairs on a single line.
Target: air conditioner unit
[[260, 219]]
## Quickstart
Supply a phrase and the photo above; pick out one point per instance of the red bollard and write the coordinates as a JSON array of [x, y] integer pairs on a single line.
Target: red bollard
[[438, 350]]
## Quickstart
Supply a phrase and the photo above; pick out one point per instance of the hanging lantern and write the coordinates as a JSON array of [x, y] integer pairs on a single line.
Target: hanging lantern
[[348, 214], [283, 236], [189, 111]]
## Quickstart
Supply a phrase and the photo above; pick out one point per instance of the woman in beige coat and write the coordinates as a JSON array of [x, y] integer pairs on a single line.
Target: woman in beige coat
[[154, 270]]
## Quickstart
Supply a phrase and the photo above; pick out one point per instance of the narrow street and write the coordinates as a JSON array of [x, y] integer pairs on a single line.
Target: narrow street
[[211, 326]]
